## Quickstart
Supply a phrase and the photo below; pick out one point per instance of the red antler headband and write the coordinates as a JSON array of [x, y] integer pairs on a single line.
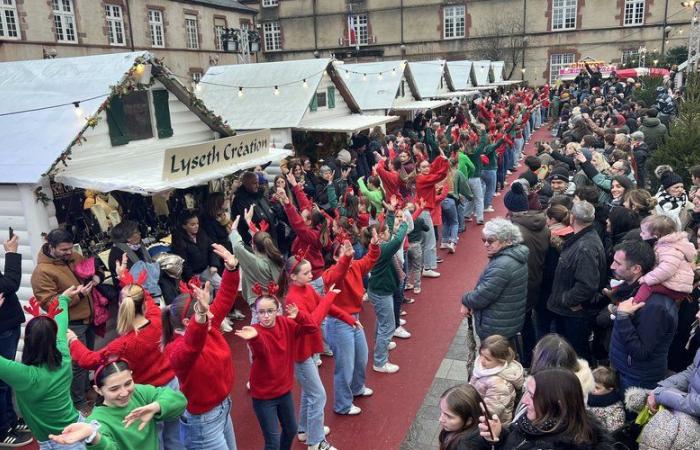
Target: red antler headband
[[300, 255], [188, 289], [271, 290], [127, 279], [108, 359], [264, 226], [52, 309]]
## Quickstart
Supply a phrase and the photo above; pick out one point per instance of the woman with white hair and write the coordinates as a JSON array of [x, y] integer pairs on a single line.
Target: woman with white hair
[[498, 301]]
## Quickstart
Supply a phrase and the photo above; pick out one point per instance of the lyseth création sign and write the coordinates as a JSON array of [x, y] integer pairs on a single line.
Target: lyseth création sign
[[196, 159]]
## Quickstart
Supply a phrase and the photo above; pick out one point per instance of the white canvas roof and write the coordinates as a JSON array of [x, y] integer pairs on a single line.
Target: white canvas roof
[[374, 92], [460, 72], [259, 107], [497, 70], [426, 75], [46, 133], [457, 94], [481, 72], [420, 105], [345, 124]]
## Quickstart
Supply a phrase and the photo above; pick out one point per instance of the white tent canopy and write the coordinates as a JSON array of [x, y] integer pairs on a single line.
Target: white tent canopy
[[427, 76], [481, 72], [33, 140], [417, 105], [460, 73], [371, 90], [458, 94], [345, 124], [497, 68]]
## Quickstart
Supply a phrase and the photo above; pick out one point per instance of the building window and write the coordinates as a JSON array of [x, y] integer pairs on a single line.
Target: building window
[[273, 36], [155, 23], [8, 20], [191, 32], [634, 12], [564, 14], [321, 101], [115, 22], [196, 76], [630, 56], [269, 3], [559, 61], [219, 27], [453, 21], [360, 24], [64, 20]]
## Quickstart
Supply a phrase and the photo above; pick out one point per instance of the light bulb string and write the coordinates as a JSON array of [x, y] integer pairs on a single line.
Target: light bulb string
[[74, 103], [305, 78]]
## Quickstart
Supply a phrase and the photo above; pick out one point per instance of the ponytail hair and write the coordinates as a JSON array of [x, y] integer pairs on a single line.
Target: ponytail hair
[[559, 213], [264, 244], [172, 316], [131, 303], [319, 221]]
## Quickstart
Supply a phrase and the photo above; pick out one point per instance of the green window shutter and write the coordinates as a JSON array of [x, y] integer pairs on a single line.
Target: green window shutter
[[162, 110], [116, 121], [331, 97], [314, 103]]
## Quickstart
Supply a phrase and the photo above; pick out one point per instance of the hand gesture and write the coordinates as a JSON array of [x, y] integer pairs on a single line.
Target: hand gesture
[[629, 306], [333, 289], [248, 214], [291, 179], [328, 176], [234, 223], [144, 414], [227, 257], [202, 296], [71, 291], [120, 266], [86, 288], [70, 335], [466, 312], [73, 433], [11, 245], [496, 427], [347, 249], [580, 157], [246, 333], [375, 237], [345, 173], [358, 325], [292, 311], [281, 196], [651, 403], [421, 203]]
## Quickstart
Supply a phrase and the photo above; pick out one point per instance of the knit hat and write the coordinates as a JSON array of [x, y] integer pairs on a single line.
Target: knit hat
[[559, 174], [344, 156], [669, 178], [530, 176], [516, 199]]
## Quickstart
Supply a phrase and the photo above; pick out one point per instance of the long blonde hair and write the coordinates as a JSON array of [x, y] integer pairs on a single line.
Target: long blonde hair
[[131, 300]]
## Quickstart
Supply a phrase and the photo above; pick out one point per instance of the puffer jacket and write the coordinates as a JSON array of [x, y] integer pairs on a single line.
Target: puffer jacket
[[580, 275], [533, 226], [498, 387], [675, 263], [655, 132], [670, 430], [499, 299], [681, 392], [585, 377]]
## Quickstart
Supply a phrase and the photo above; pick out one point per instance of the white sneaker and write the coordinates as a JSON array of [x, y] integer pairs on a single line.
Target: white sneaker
[[302, 436], [452, 248], [319, 362], [323, 445], [444, 245], [392, 345], [366, 392], [489, 209], [402, 322], [402, 333], [386, 368], [354, 410], [236, 315], [416, 290], [430, 273], [226, 326]]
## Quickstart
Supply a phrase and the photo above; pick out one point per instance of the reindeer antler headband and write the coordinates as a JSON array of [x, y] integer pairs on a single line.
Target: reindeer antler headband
[[107, 359], [52, 310], [188, 289], [271, 290], [299, 256], [264, 226]]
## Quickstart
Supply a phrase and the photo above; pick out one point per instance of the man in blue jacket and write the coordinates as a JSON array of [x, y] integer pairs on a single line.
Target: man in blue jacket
[[642, 332]]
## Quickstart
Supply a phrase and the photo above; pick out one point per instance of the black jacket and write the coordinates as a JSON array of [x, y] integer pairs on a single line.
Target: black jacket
[[580, 275], [532, 225], [197, 255], [218, 235], [11, 314], [115, 255], [244, 200], [512, 438]]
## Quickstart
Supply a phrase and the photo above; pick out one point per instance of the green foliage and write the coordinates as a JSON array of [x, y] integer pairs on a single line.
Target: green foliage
[[647, 93], [675, 55], [682, 149]]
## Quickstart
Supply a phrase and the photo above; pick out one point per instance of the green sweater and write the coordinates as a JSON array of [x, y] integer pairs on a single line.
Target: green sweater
[[255, 267], [490, 151], [113, 434], [383, 279], [375, 197], [460, 186], [43, 395], [465, 164], [475, 157]]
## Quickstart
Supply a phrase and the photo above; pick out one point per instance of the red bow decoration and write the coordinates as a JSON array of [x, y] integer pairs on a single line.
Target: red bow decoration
[[188, 289], [271, 290], [351, 221], [300, 255], [127, 278], [111, 358], [52, 310], [264, 226]]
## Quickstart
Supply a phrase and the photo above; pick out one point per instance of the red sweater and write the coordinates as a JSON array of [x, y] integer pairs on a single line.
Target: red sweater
[[351, 287], [307, 237], [201, 358], [272, 371], [425, 184], [142, 349], [391, 181]]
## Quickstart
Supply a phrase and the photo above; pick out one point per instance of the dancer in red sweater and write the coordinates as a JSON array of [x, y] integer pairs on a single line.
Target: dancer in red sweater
[[273, 342], [201, 359]]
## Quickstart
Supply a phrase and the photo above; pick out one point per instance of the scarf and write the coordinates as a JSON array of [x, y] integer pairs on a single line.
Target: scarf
[[525, 426]]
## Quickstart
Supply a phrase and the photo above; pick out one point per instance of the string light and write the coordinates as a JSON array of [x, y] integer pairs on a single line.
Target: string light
[[197, 87], [347, 74], [364, 77], [240, 92], [78, 109], [277, 90], [139, 69], [393, 72], [380, 76], [305, 83]]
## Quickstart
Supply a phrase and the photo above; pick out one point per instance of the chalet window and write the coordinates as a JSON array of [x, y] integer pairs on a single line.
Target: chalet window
[[129, 118]]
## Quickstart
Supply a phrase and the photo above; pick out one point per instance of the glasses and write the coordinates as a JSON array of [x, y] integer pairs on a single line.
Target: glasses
[[488, 240], [267, 312]]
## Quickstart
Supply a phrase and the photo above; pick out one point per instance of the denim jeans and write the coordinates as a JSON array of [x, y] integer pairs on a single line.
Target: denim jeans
[[312, 401], [519, 144], [429, 243], [476, 205], [526, 131], [536, 118], [385, 326], [212, 430], [450, 224], [51, 445], [415, 263], [81, 382], [169, 432], [271, 414], [488, 176], [214, 280], [461, 213], [8, 349], [318, 286], [350, 351]]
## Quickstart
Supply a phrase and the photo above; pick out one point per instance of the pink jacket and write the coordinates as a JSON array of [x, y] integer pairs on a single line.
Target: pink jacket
[[498, 387], [675, 262]]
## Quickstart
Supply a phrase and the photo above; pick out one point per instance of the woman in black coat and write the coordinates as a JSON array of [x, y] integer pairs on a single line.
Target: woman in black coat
[[192, 243], [555, 418]]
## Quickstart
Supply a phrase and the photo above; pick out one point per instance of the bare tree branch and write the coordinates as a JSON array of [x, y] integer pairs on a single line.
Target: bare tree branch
[[501, 40]]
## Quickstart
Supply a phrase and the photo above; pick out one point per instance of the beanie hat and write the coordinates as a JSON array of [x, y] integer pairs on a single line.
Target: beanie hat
[[559, 174], [516, 199], [530, 176], [669, 178], [344, 156]]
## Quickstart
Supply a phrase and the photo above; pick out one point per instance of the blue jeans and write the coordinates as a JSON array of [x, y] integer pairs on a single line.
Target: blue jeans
[[51, 445], [272, 414], [526, 131], [450, 221], [312, 401], [536, 118], [519, 144], [429, 243], [461, 210], [385, 326], [350, 351], [212, 430], [488, 176], [8, 349], [476, 205], [169, 432]]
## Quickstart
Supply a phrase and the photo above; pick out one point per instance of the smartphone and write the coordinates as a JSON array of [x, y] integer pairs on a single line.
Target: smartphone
[[12, 233], [488, 416]]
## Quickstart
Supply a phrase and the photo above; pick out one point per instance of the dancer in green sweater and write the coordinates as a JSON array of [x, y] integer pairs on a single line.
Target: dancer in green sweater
[[112, 426]]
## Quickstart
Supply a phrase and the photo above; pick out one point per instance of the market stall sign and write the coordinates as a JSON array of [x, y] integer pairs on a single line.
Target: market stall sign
[[196, 159], [573, 71]]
